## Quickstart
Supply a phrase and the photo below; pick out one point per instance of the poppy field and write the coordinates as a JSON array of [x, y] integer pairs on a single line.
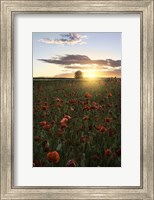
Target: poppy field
[[77, 122]]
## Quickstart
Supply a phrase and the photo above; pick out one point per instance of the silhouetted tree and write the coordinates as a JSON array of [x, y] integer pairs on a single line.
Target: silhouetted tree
[[78, 74]]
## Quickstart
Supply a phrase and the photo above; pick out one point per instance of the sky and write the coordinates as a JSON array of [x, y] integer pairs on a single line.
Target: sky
[[61, 54]]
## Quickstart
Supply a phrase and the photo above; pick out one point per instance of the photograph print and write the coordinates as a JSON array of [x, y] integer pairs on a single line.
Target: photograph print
[[77, 99]]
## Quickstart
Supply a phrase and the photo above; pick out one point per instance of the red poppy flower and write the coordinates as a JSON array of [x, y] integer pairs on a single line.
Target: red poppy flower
[[58, 100], [93, 107], [38, 163], [86, 108], [37, 138], [60, 130], [67, 116], [111, 132], [47, 127], [101, 128], [53, 122], [53, 156], [72, 109], [94, 104], [44, 107], [71, 101], [71, 163], [43, 123], [64, 120], [64, 125], [110, 95], [59, 105], [108, 119], [109, 105], [81, 102], [108, 152], [88, 95], [85, 118]]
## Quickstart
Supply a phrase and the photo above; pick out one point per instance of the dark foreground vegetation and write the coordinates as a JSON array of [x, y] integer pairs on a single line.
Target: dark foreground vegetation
[[77, 123]]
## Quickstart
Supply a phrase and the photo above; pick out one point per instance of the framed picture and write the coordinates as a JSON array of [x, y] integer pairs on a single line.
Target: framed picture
[[77, 99]]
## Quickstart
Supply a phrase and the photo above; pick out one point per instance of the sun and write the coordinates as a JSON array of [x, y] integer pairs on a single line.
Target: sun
[[90, 75]]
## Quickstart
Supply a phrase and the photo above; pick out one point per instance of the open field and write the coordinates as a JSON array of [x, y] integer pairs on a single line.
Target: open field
[[77, 123]]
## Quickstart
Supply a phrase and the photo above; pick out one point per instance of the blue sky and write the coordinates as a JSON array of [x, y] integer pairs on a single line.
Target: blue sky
[[61, 54]]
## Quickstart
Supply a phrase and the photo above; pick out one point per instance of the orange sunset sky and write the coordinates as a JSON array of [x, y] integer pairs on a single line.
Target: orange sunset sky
[[60, 55]]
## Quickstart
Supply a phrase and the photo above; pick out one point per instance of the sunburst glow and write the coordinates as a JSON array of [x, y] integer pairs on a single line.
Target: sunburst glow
[[90, 74]]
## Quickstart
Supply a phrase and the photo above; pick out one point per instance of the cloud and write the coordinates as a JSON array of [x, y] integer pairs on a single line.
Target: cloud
[[65, 75], [69, 38], [69, 59], [82, 62], [109, 62]]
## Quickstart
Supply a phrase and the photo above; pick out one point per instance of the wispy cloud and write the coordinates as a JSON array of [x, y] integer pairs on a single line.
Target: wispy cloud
[[69, 38], [82, 62]]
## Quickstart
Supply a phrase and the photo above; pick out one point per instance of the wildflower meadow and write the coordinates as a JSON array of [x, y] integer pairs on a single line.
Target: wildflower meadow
[[77, 123]]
